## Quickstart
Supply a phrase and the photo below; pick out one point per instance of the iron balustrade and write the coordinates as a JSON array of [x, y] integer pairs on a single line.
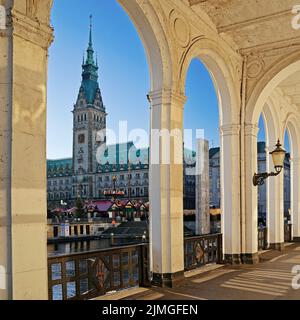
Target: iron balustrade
[[201, 250], [82, 276], [262, 238], [288, 232]]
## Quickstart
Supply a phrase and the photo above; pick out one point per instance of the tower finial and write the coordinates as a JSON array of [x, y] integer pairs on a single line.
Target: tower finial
[[91, 27]]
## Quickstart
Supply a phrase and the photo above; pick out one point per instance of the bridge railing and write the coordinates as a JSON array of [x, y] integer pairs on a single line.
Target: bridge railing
[[288, 232], [82, 276], [202, 250], [262, 240]]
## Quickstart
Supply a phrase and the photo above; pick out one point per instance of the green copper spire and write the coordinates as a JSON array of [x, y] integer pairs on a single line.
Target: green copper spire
[[90, 71], [90, 50]]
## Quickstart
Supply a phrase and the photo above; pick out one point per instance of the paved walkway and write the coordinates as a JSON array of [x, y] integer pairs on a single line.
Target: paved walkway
[[269, 280]]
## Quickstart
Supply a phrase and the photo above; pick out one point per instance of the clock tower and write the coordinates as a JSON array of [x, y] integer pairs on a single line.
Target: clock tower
[[89, 117]]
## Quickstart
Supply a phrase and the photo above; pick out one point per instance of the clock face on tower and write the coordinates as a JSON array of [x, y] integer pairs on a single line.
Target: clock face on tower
[[81, 138]]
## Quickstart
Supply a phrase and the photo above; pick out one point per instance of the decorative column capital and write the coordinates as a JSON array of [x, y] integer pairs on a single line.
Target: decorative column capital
[[31, 30], [230, 130], [167, 96], [251, 130]]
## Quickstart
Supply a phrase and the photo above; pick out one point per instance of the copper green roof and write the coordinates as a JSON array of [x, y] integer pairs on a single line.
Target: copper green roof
[[90, 84], [60, 167]]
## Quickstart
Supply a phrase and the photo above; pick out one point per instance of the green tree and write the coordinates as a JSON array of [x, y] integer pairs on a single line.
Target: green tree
[[79, 209]]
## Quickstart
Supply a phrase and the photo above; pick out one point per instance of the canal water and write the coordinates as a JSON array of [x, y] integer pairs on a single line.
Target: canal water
[[66, 248], [77, 247]]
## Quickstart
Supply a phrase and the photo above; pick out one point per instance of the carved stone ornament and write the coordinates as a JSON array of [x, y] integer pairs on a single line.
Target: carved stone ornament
[[255, 67], [31, 8], [180, 29]]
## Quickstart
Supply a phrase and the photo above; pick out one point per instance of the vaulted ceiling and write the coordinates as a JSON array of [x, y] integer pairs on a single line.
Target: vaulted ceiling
[[253, 26], [291, 88], [251, 23]]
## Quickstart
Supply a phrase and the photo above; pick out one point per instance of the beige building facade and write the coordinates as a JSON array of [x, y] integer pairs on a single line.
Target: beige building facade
[[251, 50]]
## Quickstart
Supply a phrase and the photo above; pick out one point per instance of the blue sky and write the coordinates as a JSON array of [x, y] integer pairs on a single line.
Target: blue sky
[[123, 74], [262, 136]]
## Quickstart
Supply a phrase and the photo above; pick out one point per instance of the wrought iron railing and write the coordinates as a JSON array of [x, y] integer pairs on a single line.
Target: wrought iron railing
[[262, 238], [92, 274], [288, 232], [201, 250]]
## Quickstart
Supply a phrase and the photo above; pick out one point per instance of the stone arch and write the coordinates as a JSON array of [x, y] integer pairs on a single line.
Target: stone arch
[[291, 125], [272, 133], [222, 75], [153, 38], [268, 83], [221, 70], [271, 122]]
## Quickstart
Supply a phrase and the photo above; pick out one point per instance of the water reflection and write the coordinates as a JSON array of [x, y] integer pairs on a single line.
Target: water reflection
[[84, 246]]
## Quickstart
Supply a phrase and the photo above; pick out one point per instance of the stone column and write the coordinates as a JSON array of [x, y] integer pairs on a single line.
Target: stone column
[[202, 188], [230, 187], [295, 198], [166, 188], [23, 198], [275, 205], [250, 216]]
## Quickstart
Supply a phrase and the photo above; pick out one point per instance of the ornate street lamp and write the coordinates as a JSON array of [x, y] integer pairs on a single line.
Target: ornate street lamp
[[278, 156]]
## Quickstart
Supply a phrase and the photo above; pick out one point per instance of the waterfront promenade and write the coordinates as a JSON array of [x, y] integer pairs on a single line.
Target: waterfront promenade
[[269, 280]]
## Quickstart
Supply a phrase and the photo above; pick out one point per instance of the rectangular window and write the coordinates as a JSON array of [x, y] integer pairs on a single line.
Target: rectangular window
[[146, 191]]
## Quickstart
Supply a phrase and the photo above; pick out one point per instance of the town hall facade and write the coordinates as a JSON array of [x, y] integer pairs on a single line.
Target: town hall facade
[[84, 175]]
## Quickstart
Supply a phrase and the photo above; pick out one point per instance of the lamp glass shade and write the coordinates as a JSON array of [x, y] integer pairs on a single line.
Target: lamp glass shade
[[278, 156]]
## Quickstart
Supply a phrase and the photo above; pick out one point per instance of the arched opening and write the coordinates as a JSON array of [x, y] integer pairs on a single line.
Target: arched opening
[[276, 101], [223, 105], [287, 180], [262, 167], [202, 190], [81, 177], [291, 184]]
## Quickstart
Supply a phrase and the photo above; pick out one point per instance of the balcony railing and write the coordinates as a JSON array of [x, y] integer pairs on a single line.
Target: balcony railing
[[202, 250], [88, 275], [262, 238], [288, 232], [82, 276]]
